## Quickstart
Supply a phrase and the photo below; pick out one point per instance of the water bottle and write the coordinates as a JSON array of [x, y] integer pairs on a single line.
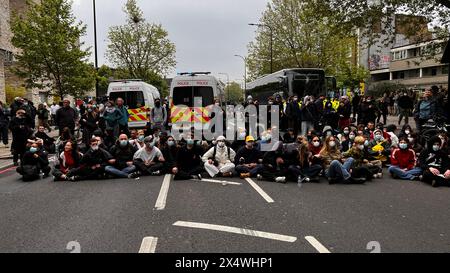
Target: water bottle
[[300, 181]]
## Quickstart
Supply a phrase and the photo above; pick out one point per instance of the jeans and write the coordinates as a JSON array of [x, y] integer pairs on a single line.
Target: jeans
[[408, 175], [338, 170], [311, 171], [306, 126], [403, 113], [253, 172], [120, 173]]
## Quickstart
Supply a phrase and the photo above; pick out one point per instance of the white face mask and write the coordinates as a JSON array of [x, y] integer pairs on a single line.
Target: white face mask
[[94, 148], [316, 144], [407, 132], [361, 147], [221, 144], [332, 144]]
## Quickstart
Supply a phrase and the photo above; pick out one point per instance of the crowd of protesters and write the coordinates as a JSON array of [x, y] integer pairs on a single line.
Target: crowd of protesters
[[343, 140]]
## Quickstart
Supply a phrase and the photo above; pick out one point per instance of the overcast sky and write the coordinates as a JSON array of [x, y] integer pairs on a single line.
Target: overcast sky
[[207, 33]]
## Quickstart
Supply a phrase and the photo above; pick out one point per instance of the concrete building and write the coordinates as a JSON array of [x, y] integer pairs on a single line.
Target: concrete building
[[401, 57]]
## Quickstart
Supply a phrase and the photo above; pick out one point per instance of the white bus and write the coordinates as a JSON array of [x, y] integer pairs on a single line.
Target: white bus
[[139, 97]]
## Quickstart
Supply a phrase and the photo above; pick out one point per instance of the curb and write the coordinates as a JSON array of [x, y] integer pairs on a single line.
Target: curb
[[6, 166]]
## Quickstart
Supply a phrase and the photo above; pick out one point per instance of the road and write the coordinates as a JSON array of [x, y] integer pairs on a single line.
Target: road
[[116, 216]]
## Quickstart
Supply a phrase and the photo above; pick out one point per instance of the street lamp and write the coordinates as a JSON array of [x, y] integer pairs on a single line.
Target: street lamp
[[95, 49], [245, 73], [228, 85], [271, 42]]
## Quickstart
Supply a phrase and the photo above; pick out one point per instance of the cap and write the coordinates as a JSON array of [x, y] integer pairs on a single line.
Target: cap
[[249, 138], [148, 139], [221, 138]]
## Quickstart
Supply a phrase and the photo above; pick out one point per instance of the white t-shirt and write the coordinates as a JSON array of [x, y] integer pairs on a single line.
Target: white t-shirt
[[147, 156], [54, 108]]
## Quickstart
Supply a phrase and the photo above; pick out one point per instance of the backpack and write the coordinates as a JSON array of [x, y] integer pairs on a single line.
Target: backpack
[[214, 155]]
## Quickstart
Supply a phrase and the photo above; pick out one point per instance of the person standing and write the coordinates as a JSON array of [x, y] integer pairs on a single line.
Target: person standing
[[20, 127], [112, 116], [66, 117], [309, 115], [355, 104], [53, 109], [123, 122], [427, 108], [4, 123], [158, 116], [89, 122], [383, 106], [43, 115], [293, 114], [405, 105]]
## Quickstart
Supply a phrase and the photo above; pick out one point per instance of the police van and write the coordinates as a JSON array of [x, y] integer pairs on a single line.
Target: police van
[[187, 86], [138, 96]]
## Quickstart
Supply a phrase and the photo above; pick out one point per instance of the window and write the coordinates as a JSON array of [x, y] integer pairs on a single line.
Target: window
[[186, 95], [445, 70], [133, 99], [433, 71], [400, 55]]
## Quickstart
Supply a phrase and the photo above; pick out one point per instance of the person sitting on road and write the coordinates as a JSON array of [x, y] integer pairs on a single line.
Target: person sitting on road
[[219, 159], [69, 162], [414, 143], [301, 167], [336, 168], [34, 162], [149, 160], [289, 136], [173, 146], [379, 147], [122, 165], [315, 145], [406, 131], [48, 142], [93, 162], [403, 162], [139, 141], [362, 168], [348, 141], [274, 165], [169, 162], [390, 130], [247, 159], [435, 163], [189, 162]]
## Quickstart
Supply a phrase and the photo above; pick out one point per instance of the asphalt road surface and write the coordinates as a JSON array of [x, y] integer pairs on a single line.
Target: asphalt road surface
[[128, 215]]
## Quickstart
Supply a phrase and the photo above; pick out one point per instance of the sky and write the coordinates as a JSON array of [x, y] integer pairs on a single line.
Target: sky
[[207, 33]]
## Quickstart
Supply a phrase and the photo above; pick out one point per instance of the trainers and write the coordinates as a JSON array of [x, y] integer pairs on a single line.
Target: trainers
[[280, 179], [244, 175], [228, 174], [156, 173], [259, 177], [380, 175], [375, 176], [352, 180], [72, 179], [133, 175]]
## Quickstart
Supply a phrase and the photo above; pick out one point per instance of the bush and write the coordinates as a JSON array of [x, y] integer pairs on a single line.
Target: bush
[[377, 90], [13, 92]]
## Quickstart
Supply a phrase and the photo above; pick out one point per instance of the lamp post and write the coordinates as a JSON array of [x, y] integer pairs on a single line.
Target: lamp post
[[95, 49], [245, 73], [271, 42], [228, 84]]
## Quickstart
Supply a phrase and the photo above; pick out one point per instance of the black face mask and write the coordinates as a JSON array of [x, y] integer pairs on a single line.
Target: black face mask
[[157, 104]]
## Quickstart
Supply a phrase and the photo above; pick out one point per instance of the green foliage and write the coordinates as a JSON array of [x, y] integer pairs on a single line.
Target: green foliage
[[377, 90], [104, 73], [234, 93], [51, 57], [140, 48], [304, 35], [13, 92], [351, 76]]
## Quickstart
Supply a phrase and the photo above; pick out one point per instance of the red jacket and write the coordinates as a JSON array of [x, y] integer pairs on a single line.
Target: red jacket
[[403, 158]]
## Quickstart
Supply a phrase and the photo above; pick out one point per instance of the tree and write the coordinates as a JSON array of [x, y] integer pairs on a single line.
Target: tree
[[13, 92], [140, 48], [234, 93], [350, 76], [377, 90], [50, 55], [305, 35]]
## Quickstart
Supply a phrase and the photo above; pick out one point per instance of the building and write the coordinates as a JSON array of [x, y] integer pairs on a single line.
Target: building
[[403, 58]]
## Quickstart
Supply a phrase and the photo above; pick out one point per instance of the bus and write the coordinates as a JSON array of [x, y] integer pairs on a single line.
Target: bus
[[187, 86], [290, 82], [138, 96]]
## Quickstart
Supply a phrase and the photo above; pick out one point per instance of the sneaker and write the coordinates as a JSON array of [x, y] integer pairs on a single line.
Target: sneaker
[[259, 177], [302, 179], [375, 176], [156, 173], [244, 175], [133, 175], [72, 179], [352, 180], [380, 175], [280, 179], [228, 174]]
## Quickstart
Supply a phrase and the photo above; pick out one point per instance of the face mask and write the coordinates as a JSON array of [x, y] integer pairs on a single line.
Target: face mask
[[141, 138], [150, 145], [123, 143], [346, 132], [221, 144], [403, 146], [407, 132], [436, 148], [352, 137], [360, 132], [361, 147], [366, 143], [249, 144], [217, 104], [90, 110], [332, 144], [329, 133], [94, 148], [316, 144], [378, 137], [33, 149], [171, 143], [190, 142], [270, 103]]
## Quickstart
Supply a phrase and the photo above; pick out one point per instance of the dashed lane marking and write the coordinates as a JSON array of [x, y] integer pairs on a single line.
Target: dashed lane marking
[[162, 198], [148, 245], [259, 190], [236, 230], [316, 244]]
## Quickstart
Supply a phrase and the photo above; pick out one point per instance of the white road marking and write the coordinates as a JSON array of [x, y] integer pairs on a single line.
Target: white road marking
[[217, 181], [243, 231], [148, 245], [259, 190], [161, 201], [316, 244]]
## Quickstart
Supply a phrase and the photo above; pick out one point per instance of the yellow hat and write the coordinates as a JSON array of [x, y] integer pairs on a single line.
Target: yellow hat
[[249, 138]]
